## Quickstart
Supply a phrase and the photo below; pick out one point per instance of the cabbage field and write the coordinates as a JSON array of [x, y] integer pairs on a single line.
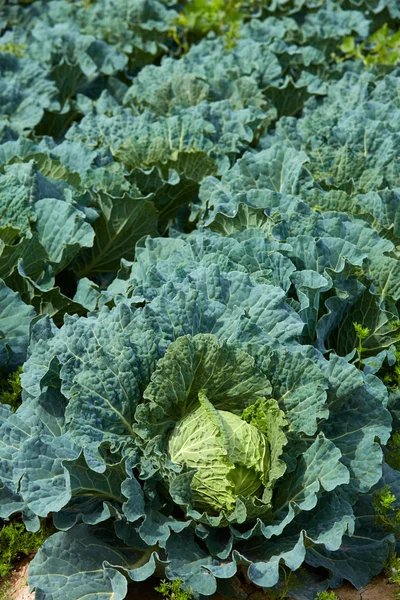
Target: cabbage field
[[200, 293]]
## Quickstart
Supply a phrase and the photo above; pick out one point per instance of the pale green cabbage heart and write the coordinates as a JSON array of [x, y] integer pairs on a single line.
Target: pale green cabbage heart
[[231, 457]]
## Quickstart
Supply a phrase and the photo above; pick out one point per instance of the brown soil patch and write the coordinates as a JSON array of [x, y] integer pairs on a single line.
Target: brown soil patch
[[378, 589], [17, 589]]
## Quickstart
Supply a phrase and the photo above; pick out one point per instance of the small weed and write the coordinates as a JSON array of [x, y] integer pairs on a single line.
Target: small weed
[[392, 571], [6, 589], [10, 389], [15, 49], [381, 48], [361, 333], [387, 515], [200, 17], [326, 596], [15, 541], [5, 592], [173, 590]]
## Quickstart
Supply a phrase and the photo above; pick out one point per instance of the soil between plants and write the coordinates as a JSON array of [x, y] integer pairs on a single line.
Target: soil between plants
[[378, 589], [17, 589]]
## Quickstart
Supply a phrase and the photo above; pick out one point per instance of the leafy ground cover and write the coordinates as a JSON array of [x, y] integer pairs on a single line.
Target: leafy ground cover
[[199, 294]]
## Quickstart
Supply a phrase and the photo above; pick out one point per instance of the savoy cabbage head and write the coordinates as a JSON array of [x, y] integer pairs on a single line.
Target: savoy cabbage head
[[187, 431], [231, 457]]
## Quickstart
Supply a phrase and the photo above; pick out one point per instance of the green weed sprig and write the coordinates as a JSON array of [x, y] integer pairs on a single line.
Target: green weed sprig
[[326, 596], [223, 17], [381, 48], [13, 48], [361, 333], [387, 515], [15, 541], [173, 590], [10, 389], [392, 572]]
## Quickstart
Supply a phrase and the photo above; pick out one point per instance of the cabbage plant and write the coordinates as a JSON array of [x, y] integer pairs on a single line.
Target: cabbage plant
[[187, 432]]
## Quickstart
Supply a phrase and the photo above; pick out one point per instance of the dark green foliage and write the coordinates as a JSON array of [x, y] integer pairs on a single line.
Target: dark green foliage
[[392, 375], [289, 581], [393, 456]]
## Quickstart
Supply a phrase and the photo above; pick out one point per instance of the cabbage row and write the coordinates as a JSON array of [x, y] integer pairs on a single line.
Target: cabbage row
[[200, 274]]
